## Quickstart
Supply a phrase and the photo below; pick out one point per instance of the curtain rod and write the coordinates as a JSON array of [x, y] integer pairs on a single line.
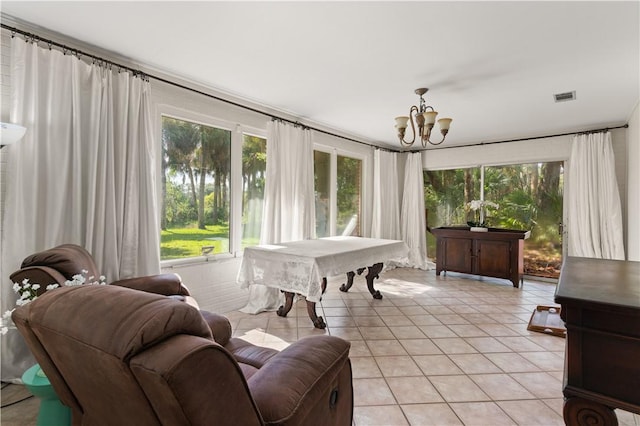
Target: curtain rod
[[65, 48], [77, 52], [585, 132]]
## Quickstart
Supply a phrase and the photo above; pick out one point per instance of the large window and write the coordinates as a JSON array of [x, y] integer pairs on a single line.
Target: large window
[[338, 194], [254, 165], [447, 191], [349, 172], [322, 186], [196, 166], [529, 198], [213, 187]]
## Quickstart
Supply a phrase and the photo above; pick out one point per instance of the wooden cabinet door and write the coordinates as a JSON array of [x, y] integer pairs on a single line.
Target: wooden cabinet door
[[457, 254], [493, 258]]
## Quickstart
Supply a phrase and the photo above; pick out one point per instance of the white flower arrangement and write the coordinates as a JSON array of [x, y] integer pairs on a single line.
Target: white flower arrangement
[[29, 291], [479, 207]]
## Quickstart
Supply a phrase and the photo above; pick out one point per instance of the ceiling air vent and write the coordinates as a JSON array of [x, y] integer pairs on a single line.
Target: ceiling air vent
[[566, 96]]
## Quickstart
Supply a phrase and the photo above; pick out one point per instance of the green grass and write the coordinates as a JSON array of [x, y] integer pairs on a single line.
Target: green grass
[[178, 243]]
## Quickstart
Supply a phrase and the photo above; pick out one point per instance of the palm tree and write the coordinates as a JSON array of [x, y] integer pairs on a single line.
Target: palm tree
[[254, 163], [216, 159], [179, 141]]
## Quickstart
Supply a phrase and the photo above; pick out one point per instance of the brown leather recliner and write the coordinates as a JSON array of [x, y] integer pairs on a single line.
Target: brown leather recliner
[[118, 356], [59, 264]]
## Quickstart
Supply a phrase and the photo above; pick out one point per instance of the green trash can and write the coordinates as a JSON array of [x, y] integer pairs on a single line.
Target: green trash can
[[52, 412]]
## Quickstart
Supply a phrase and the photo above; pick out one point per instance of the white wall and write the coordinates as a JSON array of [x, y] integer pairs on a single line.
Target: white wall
[[536, 150], [551, 149], [633, 189]]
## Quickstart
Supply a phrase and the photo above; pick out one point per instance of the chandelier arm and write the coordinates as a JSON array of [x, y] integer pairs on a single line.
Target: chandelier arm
[[413, 128], [424, 138], [437, 143]]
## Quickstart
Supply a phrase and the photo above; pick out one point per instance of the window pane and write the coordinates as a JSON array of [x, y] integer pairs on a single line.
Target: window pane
[[196, 163], [446, 193], [348, 197], [530, 197], [254, 166], [322, 186]]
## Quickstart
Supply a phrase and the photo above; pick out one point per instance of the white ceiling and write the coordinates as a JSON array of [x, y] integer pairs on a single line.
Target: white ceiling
[[353, 66]]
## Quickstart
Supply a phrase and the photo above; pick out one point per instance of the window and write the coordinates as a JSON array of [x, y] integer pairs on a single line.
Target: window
[[446, 192], [196, 167], [338, 191], [322, 185], [213, 175], [254, 166], [349, 195], [530, 197]]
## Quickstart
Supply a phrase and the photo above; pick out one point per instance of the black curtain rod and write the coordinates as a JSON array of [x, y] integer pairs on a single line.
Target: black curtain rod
[[585, 132], [79, 53], [65, 48]]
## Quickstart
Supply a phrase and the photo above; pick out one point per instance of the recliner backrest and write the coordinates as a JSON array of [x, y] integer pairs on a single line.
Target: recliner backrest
[[68, 259], [56, 266]]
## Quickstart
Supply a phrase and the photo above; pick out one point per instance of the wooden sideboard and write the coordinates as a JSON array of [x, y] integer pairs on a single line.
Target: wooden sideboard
[[496, 253], [600, 302]]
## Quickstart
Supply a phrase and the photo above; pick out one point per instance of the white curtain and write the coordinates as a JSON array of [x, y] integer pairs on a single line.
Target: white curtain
[[413, 217], [84, 173], [594, 213], [289, 205], [385, 221]]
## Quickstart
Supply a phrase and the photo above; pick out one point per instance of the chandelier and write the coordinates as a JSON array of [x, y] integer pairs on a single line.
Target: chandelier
[[425, 118]]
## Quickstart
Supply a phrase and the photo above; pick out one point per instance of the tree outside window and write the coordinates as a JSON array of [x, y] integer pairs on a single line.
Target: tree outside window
[[530, 197], [254, 166], [196, 167]]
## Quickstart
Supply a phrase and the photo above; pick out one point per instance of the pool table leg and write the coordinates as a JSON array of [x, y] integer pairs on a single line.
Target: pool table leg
[[372, 274]]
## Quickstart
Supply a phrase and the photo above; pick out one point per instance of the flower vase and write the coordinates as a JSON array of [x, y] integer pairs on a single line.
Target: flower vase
[[478, 229]]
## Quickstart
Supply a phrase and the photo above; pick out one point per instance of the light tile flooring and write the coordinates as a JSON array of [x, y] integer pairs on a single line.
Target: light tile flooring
[[451, 350]]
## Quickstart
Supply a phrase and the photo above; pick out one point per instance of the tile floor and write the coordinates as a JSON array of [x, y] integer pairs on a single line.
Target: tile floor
[[451, 350]]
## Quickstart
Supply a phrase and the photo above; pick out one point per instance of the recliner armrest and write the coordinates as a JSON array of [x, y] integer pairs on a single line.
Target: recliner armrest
[[164, 284], [291, 384], [219, 325]]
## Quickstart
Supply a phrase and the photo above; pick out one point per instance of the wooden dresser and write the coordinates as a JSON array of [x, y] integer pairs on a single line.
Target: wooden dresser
[[600, 302], [496, 253]]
